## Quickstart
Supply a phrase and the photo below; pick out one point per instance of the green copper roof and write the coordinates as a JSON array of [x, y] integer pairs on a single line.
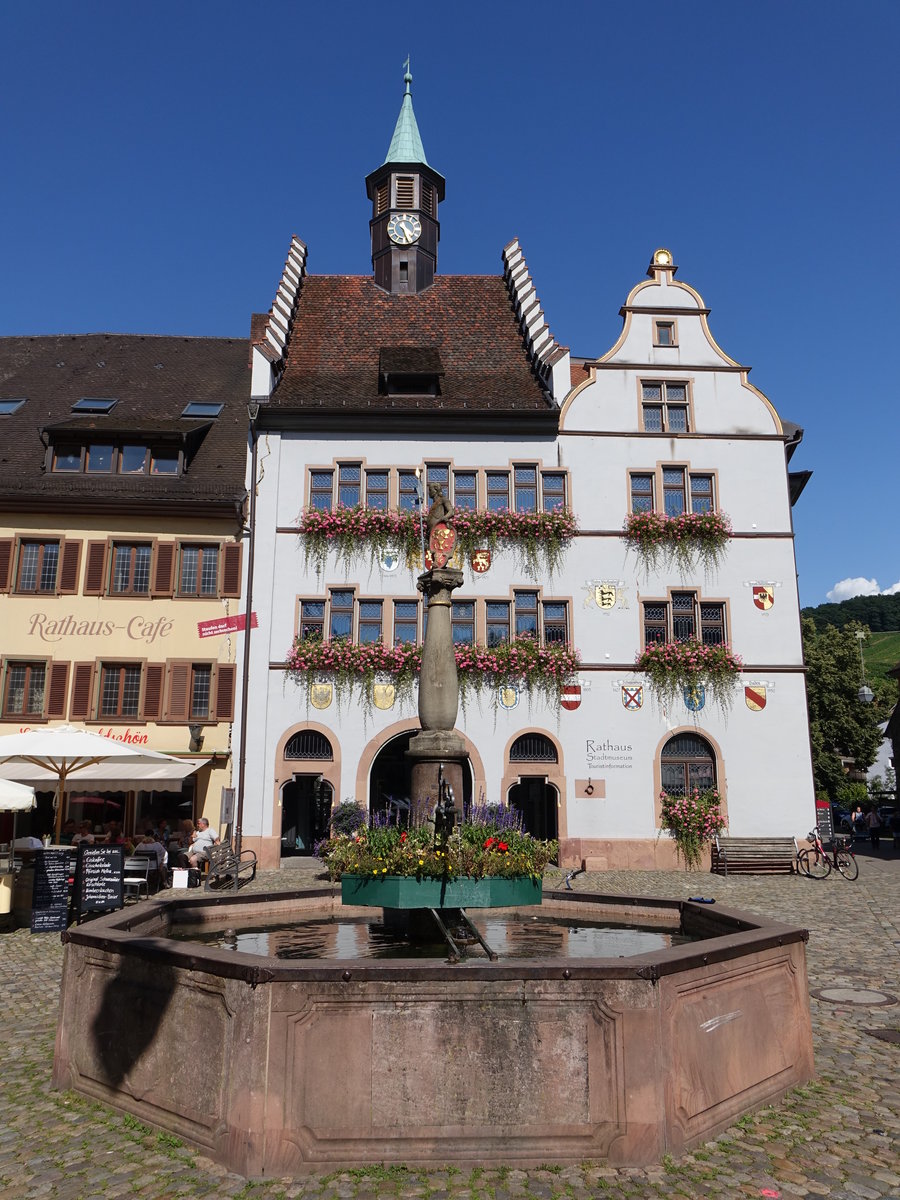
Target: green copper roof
[[406, 144]]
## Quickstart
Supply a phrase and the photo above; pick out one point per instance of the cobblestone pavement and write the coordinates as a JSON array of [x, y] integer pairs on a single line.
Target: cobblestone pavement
[[836, 1137]]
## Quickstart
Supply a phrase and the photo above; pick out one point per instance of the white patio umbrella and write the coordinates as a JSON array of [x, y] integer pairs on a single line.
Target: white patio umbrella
[[58, 753], [15, 798]]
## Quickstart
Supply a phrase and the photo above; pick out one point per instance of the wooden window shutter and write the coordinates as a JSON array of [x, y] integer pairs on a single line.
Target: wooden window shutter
[[164, 569], [95, 570], [70, 559], [405, 191], [179, 691], [153, 690], [6, 558], [226, 674], [57, 692], [383, 195], [231, 569], [82, 690]]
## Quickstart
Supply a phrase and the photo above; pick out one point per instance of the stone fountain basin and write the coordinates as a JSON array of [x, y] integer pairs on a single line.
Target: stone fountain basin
[[281, 1068]]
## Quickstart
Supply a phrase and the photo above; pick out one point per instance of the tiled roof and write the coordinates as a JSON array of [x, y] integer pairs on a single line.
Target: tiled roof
[[342, 322], [152, 378]]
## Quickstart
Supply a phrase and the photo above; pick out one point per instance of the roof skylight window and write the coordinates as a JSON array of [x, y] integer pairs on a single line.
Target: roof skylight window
[[94, 404], [8, 407], [202, 408]]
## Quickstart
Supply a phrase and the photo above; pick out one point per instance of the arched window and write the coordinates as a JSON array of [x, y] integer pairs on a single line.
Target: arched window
[[687, 762], [533, 747], [308, 743]]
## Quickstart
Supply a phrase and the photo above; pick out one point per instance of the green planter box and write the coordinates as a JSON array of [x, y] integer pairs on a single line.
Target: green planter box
[[403, 891]]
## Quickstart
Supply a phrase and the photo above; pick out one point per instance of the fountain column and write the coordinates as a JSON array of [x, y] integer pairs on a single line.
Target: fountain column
[[437, 743]]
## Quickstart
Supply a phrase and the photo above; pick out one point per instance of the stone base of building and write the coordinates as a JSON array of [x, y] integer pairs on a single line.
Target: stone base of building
[[593, 854], [623, 854]]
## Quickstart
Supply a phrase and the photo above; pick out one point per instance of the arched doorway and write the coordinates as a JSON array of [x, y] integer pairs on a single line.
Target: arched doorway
[[533, 796], [389, 778], [306, 799], [687, 761]]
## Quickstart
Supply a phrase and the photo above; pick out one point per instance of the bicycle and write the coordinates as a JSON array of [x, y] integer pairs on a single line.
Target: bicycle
[[815, 862]]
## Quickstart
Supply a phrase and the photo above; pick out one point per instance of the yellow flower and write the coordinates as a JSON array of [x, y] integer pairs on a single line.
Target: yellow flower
[[384, 870], [421, 862]]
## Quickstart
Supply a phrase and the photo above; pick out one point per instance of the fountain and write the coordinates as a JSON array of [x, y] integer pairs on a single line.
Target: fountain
[[281, 1067]]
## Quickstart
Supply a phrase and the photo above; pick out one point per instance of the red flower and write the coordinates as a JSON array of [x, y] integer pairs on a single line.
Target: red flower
[[502, 846], [489, 843], [403, 836]]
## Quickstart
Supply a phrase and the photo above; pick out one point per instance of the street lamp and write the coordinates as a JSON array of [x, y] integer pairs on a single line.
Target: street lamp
[[865, 695]]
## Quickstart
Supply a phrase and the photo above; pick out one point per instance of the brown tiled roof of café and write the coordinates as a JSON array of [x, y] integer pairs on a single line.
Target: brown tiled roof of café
[[342, 323], [152, 379]]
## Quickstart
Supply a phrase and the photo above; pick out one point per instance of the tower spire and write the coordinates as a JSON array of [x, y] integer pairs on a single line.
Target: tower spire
[[406, 144]]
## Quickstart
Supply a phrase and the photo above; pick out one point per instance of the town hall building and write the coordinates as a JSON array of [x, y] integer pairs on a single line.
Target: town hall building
[[367, 390]]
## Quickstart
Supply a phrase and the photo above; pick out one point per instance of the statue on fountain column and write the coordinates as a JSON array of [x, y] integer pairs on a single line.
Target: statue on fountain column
[[441, 534]]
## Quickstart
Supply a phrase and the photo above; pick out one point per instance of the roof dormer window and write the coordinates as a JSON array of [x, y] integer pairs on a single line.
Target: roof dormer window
[[410, 371], [94, 404], [8, 407], [202, 408]]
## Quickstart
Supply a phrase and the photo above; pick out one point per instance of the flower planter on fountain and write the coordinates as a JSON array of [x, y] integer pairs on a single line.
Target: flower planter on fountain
[[407, 892]]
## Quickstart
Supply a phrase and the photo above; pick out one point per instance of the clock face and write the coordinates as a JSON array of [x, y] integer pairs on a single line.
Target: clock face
[[404, 228]]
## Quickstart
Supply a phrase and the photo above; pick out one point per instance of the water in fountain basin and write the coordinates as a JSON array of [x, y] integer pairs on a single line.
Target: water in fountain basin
[[511, 936]]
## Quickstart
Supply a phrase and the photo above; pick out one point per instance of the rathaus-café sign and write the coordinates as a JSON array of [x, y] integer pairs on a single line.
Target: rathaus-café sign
[[139, 629]]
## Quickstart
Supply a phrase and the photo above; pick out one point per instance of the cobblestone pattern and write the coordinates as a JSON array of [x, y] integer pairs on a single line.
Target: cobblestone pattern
[[836, 1137]]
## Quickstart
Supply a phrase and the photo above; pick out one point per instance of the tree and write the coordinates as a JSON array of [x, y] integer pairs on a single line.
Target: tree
[[840, 725]]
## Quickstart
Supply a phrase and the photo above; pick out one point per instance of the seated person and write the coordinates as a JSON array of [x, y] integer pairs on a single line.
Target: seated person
[[68, 832], [85, 834], [114, 835], [202, 841], [28, 843], [152, 848]]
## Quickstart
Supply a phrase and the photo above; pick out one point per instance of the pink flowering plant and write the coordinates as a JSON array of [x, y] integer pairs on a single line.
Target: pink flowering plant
[[692, 820], [673, 666], [661, 540], [354, 668], [539, 538], [350, 531]]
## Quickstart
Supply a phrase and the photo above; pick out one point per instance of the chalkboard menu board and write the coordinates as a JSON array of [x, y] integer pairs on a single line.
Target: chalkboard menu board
[[98, 878], [50, 892], [823, 820]]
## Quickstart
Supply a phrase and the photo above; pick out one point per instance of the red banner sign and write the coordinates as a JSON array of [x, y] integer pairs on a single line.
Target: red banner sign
[[221, 625]]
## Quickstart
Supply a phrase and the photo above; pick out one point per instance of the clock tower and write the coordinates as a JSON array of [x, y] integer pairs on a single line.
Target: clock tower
[[405, 193]]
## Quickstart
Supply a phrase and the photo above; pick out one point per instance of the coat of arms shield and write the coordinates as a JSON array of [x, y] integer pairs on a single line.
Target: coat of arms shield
[[320, 694], [694, 697], [481, 561], [632, 696], [763, 596], [508, 697], [384, 695], [755, 697]]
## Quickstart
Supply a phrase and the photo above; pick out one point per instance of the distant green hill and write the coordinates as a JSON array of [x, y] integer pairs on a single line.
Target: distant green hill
[[880, 613], [881, 650]]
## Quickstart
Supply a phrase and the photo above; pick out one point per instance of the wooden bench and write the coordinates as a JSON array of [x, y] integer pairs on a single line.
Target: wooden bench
[[224, 865], [754, 856]]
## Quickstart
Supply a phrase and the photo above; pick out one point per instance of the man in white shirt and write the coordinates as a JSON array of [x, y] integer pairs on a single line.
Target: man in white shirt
[[203, 840]]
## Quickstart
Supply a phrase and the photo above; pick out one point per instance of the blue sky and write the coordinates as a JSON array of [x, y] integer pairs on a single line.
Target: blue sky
[[159, 157]]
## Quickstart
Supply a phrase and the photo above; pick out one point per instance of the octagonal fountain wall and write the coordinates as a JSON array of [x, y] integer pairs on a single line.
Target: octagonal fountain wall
[[277, 1067]]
